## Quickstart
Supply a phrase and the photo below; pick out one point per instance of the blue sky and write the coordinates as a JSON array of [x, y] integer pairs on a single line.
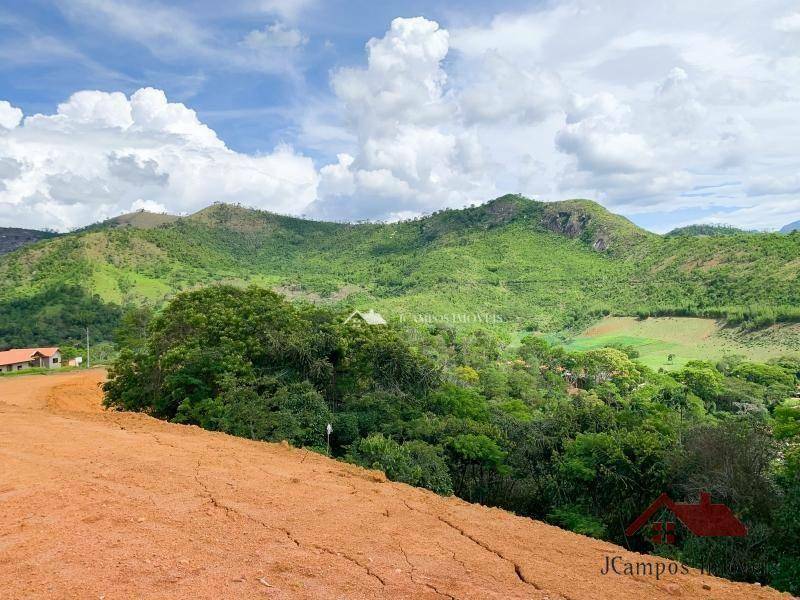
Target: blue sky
[[248, 111], [340, 110]]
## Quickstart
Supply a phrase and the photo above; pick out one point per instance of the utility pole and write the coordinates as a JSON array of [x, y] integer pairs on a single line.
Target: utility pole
[[88, 362]]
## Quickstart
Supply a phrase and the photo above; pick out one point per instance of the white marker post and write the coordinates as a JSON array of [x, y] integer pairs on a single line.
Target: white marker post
[[329, 430]]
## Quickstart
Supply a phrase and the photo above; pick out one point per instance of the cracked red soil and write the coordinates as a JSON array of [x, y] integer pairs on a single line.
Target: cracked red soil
[[98, 504]]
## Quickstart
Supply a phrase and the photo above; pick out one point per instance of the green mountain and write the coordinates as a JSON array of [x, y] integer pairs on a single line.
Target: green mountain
[[514, 262]]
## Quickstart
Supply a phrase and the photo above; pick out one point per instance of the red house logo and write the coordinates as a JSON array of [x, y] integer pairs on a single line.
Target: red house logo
[[703, 519]]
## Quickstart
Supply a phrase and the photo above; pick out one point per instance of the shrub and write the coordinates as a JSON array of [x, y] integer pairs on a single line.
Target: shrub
[[764, 374], [415, 462], [576, 519]]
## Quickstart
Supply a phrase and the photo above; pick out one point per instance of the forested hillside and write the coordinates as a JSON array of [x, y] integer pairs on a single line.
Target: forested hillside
[[521, 263]]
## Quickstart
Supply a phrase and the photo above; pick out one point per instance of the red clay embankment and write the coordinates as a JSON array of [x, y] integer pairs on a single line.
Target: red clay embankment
[[98, 504]]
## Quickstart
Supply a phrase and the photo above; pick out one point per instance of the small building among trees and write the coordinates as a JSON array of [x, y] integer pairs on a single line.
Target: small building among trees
[[19, 359], [369, 318]]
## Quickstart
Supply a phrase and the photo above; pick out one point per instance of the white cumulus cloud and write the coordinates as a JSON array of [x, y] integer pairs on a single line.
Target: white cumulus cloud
[[788, 23], [101, 154], [10, 116], [413, 152]]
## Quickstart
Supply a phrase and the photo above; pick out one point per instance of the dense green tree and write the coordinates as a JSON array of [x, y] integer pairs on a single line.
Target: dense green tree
[[733, 461], [132, 330], [786, 567], [787, 419], [703, 380], [764, 374], [477, 462]]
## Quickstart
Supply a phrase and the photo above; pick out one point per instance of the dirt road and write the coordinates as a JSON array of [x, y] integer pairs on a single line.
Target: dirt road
[[96, 504]]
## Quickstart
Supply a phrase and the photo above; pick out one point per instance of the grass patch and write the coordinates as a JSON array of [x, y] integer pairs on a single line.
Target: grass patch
[[686, 338], [38, 371]]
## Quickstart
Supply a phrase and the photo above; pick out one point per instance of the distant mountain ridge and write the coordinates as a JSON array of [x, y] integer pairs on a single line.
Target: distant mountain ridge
[[535, 265], [12, 238], [141, 219], [710, 230], [791, 227]]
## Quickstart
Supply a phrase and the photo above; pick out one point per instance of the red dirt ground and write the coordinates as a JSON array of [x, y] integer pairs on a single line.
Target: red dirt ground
[[98, 504]]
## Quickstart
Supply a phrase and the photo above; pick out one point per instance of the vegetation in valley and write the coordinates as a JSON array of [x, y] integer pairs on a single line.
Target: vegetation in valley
[[56, 315], [585, 439]]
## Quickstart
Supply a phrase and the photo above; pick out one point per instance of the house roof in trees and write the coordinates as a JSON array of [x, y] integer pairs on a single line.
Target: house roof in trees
[[370, 317]]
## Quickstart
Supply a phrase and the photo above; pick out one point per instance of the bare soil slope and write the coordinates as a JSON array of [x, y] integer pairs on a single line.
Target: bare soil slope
[[95, 504]]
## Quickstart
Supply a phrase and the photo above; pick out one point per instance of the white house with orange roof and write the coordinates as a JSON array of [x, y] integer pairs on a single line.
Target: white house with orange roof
[[19, 359]]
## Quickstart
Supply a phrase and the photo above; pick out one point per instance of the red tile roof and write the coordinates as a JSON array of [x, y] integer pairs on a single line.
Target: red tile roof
[[21, 355], [48, 352]]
